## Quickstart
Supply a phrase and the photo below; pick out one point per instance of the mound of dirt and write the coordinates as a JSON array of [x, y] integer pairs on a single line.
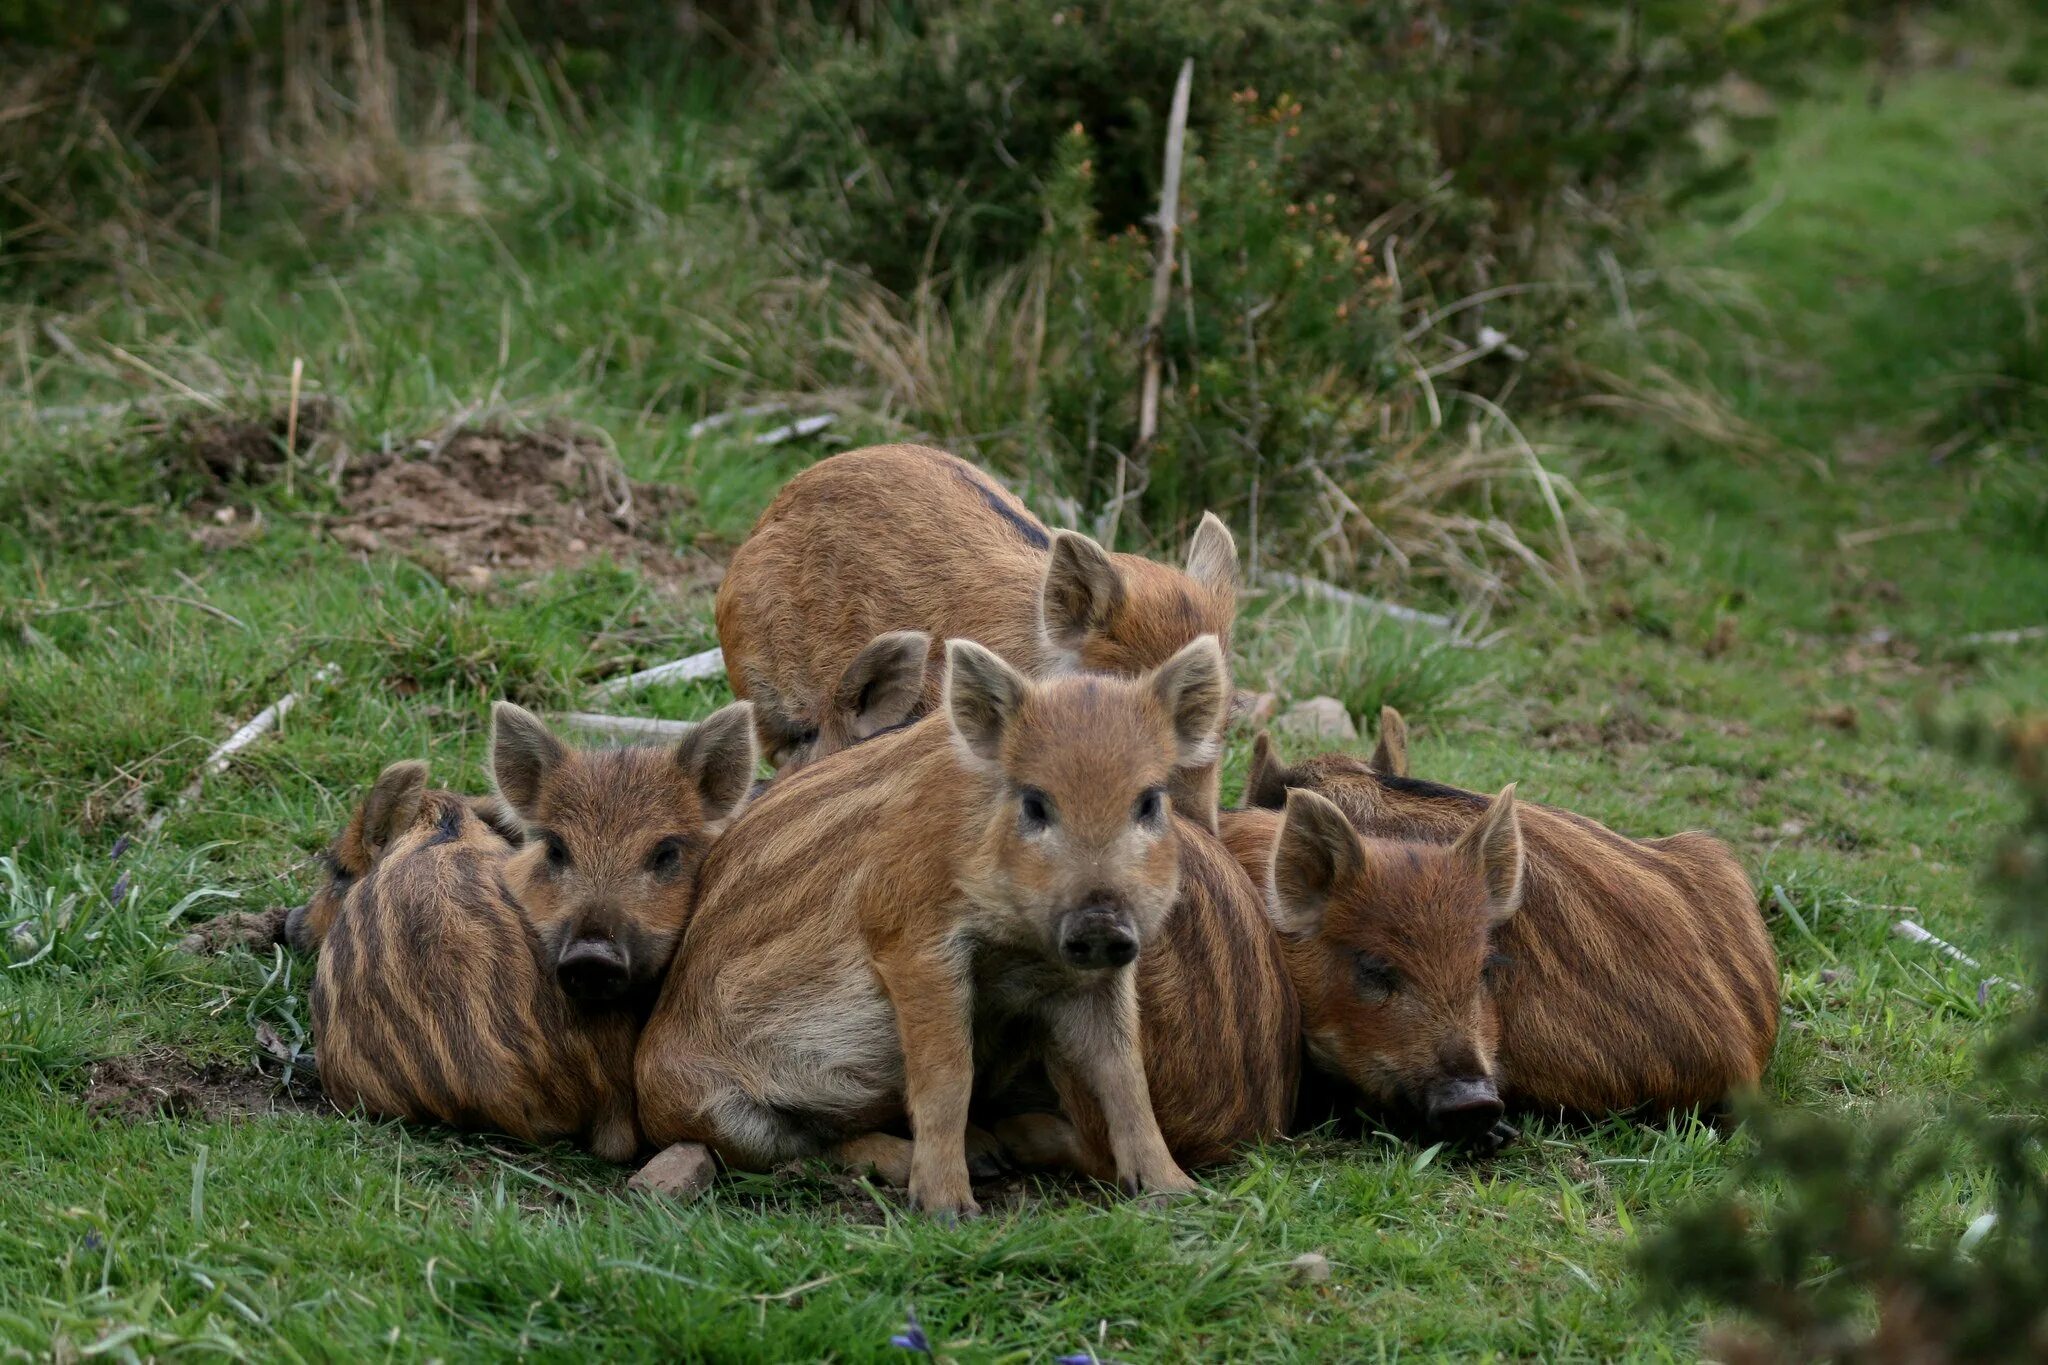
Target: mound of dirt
[[225, 451], [160, 1083], [256, 930], [485, 502]]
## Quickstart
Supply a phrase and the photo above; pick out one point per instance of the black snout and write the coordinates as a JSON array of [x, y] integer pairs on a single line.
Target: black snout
[[1464, 1107], [592, 969], [295, 929], [1095, 938]]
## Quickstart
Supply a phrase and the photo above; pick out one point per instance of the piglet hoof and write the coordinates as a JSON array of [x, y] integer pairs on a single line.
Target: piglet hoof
[[683, 1171], [1156, 1192], [987, 1158], [947, 1199], [947, 1214]]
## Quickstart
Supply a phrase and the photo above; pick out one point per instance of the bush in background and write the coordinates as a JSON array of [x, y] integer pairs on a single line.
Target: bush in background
[[931, 147], [1851, 1266]]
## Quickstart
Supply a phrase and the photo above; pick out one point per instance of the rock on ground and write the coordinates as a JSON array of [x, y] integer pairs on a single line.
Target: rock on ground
[[683, 1171], [1317, 718]]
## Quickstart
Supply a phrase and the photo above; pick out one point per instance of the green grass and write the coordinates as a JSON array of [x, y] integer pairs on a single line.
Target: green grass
[[1746, 670]]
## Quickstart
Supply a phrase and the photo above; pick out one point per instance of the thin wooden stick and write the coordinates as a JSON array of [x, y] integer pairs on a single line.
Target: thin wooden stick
[[720, 419], [291, 423], [223, 753], [626, 727], [1168, 223], [1913, 933], [2007, 637], [803, 426], [1330, 592], [708, 664]]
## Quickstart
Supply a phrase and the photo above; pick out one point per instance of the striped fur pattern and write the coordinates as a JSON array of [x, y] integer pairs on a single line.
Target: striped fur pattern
[[386, 811], [960, 896], [433, 999], [904, 537], [471, 980], [1637, 975]]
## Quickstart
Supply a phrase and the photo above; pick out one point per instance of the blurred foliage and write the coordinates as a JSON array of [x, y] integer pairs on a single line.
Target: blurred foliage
[[931, 146], [1845, 1267]]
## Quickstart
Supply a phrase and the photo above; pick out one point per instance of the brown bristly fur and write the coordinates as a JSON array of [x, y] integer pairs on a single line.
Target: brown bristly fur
[[888, 923], [383, 814], [908, 538], [882, 688], [448, 952], [1638, 974]]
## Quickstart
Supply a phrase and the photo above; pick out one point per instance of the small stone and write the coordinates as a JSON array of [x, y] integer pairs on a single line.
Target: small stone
[[1311, 1267], [683, 1171], [1317, 718]]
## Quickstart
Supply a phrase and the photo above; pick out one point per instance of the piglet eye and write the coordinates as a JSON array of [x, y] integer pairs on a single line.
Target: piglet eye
[[1376, 978], [1034, 812], [1151, 805], [666, 857], [558, 851]]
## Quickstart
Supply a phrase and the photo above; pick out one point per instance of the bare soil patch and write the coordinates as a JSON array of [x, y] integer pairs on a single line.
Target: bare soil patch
[[162, 1083], [485, 502], [225, 451], [256, 930]]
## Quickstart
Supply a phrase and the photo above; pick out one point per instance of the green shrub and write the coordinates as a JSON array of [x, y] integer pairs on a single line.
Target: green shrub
[[1851, 1265], [932, 146]]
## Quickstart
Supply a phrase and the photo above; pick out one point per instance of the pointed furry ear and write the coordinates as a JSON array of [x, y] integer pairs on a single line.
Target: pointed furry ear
[[394, 802], [1083, 591], [1265, 783], [1212, 555], [1494, 846], [720, 756], [884, 683], [1390, 756], [982, 696], [523, 753], [1193, 688], [1317, 850]]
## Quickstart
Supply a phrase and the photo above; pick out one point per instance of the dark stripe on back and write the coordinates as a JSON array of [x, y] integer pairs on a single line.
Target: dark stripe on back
[[1434, 791], [1027, 527]]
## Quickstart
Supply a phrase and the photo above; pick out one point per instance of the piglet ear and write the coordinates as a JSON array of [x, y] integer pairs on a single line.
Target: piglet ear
[[1212, 556], [1265, 783], [884, 683], [1390, 756], [982, 697], [394, 803], [1082, 594], [720, 755], [1194, 687], [1494, 846], [523, 753], [1317, 851]]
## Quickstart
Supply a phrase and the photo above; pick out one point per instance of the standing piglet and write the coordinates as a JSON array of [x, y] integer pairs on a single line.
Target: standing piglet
[[907, 538], [1454, 951], [473, 981], [966, 895]]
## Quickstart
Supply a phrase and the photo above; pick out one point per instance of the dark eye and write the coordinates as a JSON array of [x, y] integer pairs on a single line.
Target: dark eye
[[1151, 805], [1376, 978], [1496, 966], [666, 857], [1034, 812], [558, 851]]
